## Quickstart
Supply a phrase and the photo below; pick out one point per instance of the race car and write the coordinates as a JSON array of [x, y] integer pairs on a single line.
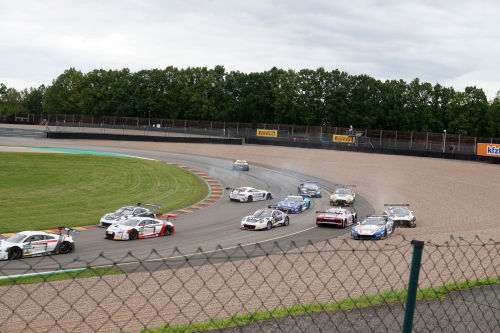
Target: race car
[[293, 204], [241, 165], [401, 215], [128, 211], [373, 227], [248, 194], [139, 227], [265, 219], [37, 243], [309, 188], [342, 197], [338, 216]]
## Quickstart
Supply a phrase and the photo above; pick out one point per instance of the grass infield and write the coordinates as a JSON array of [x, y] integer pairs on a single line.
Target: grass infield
[[43, 191], [57, 276]]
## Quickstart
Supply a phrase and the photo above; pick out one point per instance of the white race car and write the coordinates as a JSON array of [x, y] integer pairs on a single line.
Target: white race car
[[126, 212], [265, 219], [401, 215], [139, 227], [36, 243], [248, 194], [342, 197]]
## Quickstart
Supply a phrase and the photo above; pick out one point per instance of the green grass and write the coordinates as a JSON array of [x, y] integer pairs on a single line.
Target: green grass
[[385, 297], [57, 276], [44, 191]]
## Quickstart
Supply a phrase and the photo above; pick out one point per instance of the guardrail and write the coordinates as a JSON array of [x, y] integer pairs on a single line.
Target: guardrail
[[336, 285]]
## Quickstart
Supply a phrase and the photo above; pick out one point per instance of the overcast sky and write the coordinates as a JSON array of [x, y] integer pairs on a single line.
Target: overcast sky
[[454, 43]]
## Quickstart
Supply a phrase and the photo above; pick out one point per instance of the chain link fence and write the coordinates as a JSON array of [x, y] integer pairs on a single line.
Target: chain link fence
[[324, 135], [331, 286]]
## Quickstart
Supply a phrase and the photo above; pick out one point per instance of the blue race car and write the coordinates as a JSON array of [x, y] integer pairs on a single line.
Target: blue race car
[[373, 227], [293, 204]]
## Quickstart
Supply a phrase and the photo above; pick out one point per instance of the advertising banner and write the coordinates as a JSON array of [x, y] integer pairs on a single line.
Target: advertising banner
[[343, 138], [488, 149], [268, 133]]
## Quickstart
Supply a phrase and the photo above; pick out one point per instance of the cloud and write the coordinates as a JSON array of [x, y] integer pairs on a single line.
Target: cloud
[[451, 42]]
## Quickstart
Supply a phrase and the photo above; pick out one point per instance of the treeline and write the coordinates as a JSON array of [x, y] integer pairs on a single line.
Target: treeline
[[305, 97]]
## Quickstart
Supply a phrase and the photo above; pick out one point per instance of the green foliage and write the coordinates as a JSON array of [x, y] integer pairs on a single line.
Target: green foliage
[[306, 97], [75, 190], [57, 276]]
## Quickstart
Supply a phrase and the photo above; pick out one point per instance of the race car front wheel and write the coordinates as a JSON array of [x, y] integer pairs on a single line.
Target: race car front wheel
[[133, 235], [269, 225], [287, 221], [15, 253], [65, 247], [250, 198], [269, 196]]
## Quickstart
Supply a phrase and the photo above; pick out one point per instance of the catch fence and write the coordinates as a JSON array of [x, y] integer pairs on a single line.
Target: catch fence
[[324, 135], [338, 285]]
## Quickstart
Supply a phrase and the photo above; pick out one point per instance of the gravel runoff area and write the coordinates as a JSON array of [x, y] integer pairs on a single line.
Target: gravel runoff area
[[449, 198]]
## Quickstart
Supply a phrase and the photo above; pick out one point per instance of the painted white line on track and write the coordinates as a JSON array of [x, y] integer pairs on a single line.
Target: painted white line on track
[[163, 258]]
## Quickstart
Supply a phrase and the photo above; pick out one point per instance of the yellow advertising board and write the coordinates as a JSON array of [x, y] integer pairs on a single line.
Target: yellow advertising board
[[343, 138], [488, 149], [268, 133]]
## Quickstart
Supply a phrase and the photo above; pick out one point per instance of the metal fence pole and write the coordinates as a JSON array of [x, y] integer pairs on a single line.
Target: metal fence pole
[[427, 141], [411, 298], [475, 145], [411, 139], [459, 143], [380, 140]]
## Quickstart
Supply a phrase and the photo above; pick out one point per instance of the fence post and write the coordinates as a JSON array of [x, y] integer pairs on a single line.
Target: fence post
[[411, 298], [427, 141], [411, 139], [396, 140], [380, 140], [475, 145], [459, 143]]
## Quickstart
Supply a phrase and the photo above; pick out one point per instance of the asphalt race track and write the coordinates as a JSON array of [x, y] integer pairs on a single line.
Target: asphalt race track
[[204, 230]]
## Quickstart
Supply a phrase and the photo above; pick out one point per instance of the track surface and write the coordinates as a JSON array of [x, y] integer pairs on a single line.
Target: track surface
[[217, 225]]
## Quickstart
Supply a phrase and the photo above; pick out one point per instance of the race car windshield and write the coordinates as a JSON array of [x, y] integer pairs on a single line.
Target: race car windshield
[[263, 213], [343, 191], [293, 199], [129, 223], [17, 238], [399, 211], [311, 186], [373, 222], [124, 211]]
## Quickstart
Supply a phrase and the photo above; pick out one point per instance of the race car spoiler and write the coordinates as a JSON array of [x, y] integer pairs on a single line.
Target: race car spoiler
[[149, 205], [325, 212], [394, 205], [68, 230], [378, 215], [167, 217], [273, 206]]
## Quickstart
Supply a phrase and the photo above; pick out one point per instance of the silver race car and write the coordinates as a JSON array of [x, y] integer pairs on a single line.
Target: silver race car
[[128, 211], [401, 215], [265, 219], [37, 243], [139, 227], [248, 194]]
